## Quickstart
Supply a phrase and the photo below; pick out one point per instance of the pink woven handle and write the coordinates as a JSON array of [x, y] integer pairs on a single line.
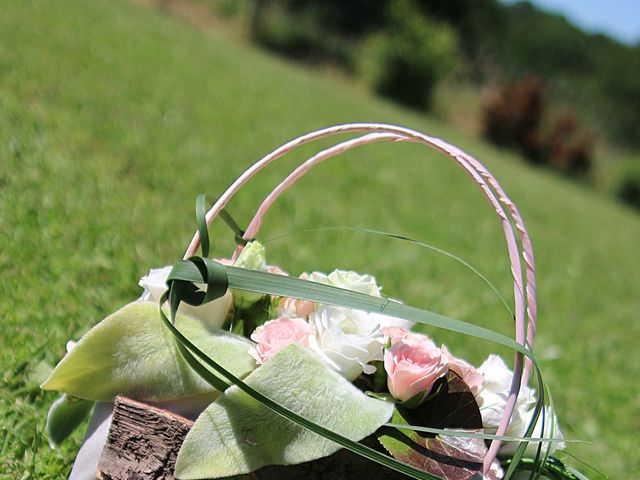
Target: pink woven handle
[[524, 287]]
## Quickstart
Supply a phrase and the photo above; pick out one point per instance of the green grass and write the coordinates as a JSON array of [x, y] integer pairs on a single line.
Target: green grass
[[113, 118]]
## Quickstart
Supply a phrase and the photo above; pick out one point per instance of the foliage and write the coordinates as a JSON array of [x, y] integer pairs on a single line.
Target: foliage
[[405, 52], [596, 74], [300, 34], [403, 48], [628, 189], [354, 19], [237, 434], [515, 115], [568, 148], [411, 55]]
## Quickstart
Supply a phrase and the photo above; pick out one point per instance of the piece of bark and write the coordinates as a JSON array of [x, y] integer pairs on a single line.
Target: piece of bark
[[144, 441]]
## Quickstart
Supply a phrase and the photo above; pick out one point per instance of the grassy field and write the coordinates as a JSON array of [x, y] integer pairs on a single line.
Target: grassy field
[[114, 117]]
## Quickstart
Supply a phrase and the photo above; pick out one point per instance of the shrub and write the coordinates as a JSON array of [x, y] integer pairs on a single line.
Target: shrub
[[515, 115], [409, 57], [629, 186], [567, 147], [299, 33]]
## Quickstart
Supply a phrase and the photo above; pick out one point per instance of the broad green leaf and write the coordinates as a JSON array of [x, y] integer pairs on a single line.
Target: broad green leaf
[[237, 434], [65, 415], [132, 353], [450, 457]]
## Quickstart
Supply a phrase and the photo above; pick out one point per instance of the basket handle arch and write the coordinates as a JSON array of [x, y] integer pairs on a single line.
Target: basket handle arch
[[524, 287]]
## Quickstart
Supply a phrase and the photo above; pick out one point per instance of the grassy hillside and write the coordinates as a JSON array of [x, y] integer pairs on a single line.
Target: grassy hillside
[[113, 118]]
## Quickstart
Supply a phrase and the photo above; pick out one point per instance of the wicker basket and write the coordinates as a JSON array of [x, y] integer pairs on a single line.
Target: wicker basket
[[524, 285]]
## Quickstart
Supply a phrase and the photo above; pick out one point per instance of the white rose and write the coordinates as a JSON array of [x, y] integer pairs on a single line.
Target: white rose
[[551, 430], [353, 281], [347, 340], [388, 321], [492, 400], [361, 283], [213, 313], [348, 280]]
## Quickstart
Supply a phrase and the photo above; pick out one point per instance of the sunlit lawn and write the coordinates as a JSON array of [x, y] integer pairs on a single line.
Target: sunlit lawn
[[113, 118]]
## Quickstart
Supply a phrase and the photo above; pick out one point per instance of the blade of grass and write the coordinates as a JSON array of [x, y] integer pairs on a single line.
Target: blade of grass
[[403, 238], [202, 224], [484, 436]]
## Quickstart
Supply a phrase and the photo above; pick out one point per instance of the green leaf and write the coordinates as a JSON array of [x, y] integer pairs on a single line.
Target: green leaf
[[131, 353], [202, 224], [450, 457], [65, 415], [284, 286], [237, 434], [402, 238]]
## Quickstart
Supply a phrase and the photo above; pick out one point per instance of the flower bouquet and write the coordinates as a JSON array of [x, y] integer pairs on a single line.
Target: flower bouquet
[[279, 370]]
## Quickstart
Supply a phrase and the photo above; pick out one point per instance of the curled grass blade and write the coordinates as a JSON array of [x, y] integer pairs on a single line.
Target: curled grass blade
[[589, 466], [202, 224], [484, 436], [282, 286], [412, 241]]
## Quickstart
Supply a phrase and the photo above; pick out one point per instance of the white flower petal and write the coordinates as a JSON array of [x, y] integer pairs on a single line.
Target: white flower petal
[[348, 340]]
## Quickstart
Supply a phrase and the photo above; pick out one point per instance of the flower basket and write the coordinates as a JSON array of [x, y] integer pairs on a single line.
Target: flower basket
[[255, 372]]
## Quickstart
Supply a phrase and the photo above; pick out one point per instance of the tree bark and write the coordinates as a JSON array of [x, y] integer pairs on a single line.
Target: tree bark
[[144, 441]]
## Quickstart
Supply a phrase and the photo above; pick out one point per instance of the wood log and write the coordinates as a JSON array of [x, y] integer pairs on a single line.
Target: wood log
[[144, 441]]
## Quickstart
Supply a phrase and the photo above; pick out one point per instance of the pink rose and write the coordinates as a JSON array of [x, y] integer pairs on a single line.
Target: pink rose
[[274, 335], [472, 377], [413, 367], [394, 334], [297, 307], [276, 270]]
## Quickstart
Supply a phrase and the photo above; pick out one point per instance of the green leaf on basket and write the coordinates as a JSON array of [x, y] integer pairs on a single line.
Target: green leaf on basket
[[65, 415], [131, 353], [449, 457], [237, 434]]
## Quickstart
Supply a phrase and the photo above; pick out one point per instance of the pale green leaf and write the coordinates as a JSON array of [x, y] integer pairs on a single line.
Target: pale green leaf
[[237, 434], [131, 353], [64, 416]]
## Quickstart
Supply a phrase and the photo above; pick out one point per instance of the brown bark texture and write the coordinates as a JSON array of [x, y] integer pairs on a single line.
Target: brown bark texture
[[144, 441]]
